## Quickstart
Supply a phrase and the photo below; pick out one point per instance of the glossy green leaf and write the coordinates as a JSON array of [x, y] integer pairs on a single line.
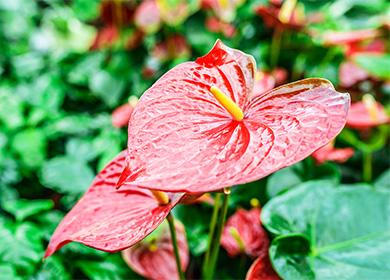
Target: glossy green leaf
[[383, 181], [30, 145], [377, 65], [20, 246], [66, 175], [24, 208], [108, 87], [341, 232]]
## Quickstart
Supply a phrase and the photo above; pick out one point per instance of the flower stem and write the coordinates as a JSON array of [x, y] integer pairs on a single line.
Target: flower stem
[[172, 229], [216, 241], [275, 47], [213, 223], [367, 166]]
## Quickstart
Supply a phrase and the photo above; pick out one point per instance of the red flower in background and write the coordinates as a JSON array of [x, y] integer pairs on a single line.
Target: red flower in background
[[175, 46], [343, 38], [329, 152], [154, 258], [350, 74], [243, 233], [263, 83], [121, 115], [147, 16], [288, 15], [109, 219], [355, 43], [366, 114], [198, 130], [213, 24], [261, 269], [105, 37], [118, 13]]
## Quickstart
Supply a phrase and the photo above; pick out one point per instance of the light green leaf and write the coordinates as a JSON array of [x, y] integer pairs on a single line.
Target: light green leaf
[[24, 208], [377, 65], [383, 181], [30, 144], [66, 175], [106, 86], [328, 232]]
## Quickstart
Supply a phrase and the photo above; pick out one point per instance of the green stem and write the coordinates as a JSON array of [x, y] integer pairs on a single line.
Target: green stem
[[213, 224], [172, 229], [367, 166], [216, 241], [275, 47]]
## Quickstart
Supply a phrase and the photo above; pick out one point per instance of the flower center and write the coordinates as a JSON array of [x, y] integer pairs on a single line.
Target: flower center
[[161, 197], [370, 103], [227, 103], [234, 232]]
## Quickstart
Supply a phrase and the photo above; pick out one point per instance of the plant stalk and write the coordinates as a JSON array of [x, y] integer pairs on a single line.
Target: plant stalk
[[216, 240], [213, 224], [275, 47], [367, 166], [172, 229]]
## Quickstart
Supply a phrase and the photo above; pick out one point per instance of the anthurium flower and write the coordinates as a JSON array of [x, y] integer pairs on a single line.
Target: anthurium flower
[[243, 233], [109, 219], [147, 16], [154, 258], [366, 114], [261, 269], [198, 129], [329, 152]]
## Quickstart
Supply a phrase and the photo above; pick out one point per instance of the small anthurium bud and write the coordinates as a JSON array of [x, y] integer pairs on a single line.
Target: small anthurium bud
[[330, 153], [243, 233], [154, 258], [366, 114]]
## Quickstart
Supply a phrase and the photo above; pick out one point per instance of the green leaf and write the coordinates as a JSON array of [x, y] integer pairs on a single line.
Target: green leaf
[[66, 174], [85, 67], [300, 172], [283, 180], [82, 149], [7, 272], [106, 86], [20, 246], [30, 144], [383, 181], [196, 221], [343, 232], [52, 268], [377, 65], [24, 208], [11, 110], [110, 268]]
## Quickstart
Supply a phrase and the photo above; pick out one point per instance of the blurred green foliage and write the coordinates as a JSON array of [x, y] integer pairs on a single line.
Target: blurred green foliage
[[56, 96]]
